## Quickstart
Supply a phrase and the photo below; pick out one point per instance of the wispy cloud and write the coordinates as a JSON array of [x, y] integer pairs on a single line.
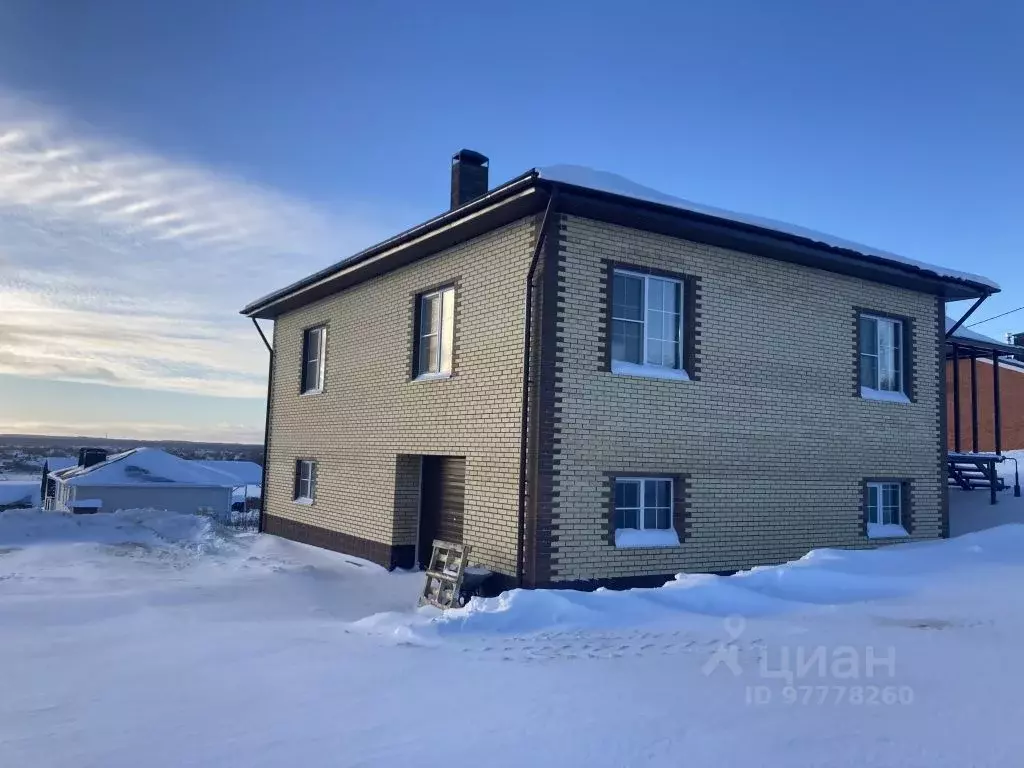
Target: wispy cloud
[[121, 266]]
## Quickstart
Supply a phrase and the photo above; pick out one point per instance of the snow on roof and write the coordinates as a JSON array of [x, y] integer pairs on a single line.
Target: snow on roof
[[612, 183], [56, 463], [145, 466], [243, 472], [963, 332]]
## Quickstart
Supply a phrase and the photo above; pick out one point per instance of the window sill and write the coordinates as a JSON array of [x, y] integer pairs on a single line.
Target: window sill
[[880, 394], [648, 371], [879, 531], [309, 392], [433, 376], [629, 538], [304, 501]]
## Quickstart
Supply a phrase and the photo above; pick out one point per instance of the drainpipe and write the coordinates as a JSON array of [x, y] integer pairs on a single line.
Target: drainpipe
[[266, 425], [525, 421]]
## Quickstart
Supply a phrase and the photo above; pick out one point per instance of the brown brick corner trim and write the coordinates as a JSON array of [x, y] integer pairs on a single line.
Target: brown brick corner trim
[[375, 551]]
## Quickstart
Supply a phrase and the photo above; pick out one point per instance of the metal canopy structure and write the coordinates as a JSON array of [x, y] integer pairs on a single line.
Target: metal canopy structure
[[966, 345]]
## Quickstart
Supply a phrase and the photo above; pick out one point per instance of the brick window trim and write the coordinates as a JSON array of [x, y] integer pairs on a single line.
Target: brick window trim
[[680, 499], [909, 367], [691, 286], [413, 332], [906, 502]]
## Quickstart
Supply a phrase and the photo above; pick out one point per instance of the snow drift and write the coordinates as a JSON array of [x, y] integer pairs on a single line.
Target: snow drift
[[823, 577], [143, 527]]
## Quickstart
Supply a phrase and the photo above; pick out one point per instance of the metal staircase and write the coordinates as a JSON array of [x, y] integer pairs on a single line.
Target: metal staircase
[[978, 470]]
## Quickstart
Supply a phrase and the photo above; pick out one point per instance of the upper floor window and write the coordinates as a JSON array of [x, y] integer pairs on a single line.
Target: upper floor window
[[882, 351], [305, 481], [314, 350], [435, 333], [647, 325]]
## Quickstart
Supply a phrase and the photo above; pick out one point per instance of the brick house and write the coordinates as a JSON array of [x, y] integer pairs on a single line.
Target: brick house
[[561, 373], [978, 392]]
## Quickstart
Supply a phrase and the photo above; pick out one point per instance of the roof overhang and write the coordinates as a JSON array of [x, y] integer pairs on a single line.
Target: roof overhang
[[747, 238], [979, 347], [529, 193]]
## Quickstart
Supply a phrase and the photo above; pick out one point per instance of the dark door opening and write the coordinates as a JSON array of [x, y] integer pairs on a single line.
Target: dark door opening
[[442, 503]]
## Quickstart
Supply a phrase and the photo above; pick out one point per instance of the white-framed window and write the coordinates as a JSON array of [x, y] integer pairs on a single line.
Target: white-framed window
[[436, 333], [885, 509], [881, 355], [314, 352], [643, 512], [647, 325], [305, 481]]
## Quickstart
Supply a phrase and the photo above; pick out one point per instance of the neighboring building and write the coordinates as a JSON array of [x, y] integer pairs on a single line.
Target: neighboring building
[[1017, 340], [53, 464], [590, 382], [978, 413], [243, 473], [247, 477], [142, 478]]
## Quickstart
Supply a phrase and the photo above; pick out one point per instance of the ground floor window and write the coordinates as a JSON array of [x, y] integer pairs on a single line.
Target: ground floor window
[[305, 481], [643, 512], [885, 511]]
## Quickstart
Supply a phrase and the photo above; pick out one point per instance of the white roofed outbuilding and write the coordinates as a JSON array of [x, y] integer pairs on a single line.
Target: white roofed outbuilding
[[144, 478]]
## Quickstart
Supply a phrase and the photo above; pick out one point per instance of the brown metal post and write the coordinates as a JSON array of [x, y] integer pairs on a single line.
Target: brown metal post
[[998, 414], [974, 402], [956, 398]]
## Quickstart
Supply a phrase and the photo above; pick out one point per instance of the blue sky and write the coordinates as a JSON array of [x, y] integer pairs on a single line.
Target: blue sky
[[161, 164]]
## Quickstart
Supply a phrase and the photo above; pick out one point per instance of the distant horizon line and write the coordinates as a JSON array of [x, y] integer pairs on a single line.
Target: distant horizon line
[[18, 435]]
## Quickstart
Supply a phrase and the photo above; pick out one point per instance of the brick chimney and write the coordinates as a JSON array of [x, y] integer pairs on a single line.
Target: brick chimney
[[469, 176], [89, 456]]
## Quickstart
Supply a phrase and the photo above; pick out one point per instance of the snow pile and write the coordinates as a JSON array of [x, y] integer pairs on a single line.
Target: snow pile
[[15, 492], [823, 577], [21, 528], [612, 183]]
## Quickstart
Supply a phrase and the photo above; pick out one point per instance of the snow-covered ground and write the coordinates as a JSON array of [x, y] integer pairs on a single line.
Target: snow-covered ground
[[149, 638], [13, 491], [971, 510]]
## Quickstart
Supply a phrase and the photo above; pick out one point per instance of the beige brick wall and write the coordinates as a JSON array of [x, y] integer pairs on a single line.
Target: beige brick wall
[[773, 439], [371, 414]]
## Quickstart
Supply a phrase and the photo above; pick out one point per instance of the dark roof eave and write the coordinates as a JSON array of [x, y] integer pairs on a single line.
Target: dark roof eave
[[702, 227], [951, 288]]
